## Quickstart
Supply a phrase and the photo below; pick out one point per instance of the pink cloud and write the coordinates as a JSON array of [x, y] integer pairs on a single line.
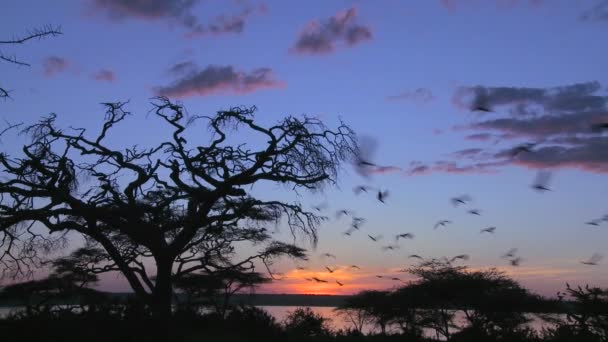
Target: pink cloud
[[104, 75], [54, 65]]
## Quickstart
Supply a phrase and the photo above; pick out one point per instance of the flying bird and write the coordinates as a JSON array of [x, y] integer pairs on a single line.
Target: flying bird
[[404, 236], [328, 255], [415, 256], [461, 257], [361, 188], [329, 269], [309, 279], [474, 212], [379, 276], [396, 279], [320, 207], [349, 232], [594, 223], [442, 223], [375, 238], [357, 222], [541, 183], [319, 280], [599, 127], [456, 201], [382, 195], [595, 258], [524, 148], [300, 268], [510, 253], [363, 158], [339, 283], [389, 247], [515, 261], [355, 266], [481, 109], [341, 212], [488, 230]]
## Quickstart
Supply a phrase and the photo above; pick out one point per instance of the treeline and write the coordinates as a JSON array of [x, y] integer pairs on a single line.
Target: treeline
[[446, 302]]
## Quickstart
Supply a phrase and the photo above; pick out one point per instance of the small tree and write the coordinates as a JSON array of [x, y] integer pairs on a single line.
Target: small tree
[[588, 313], [182, 205], [306, 323]]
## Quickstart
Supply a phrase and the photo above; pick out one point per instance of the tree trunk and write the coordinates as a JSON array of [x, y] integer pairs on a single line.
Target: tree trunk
[[163, 290]]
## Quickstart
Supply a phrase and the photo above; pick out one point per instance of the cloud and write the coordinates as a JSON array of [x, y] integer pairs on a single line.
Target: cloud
[[469, 152], [558, 119], [446, 166], [174, 11], [104, 75], [54, 65], [216, 79], [421, 95], [453, 5], [599, 12], [322, 36]]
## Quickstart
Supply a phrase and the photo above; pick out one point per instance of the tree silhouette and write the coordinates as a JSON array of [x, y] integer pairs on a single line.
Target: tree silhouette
[[38, 33], [182, 205]]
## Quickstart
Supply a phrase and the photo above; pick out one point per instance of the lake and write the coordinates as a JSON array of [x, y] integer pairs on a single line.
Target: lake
[[337, 322]]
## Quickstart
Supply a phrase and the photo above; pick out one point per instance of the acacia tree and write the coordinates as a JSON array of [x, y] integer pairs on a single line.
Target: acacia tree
[[183, 206], [38, 33]]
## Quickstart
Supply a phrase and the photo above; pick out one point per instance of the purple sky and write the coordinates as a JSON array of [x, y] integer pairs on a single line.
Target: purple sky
[[403, 72]]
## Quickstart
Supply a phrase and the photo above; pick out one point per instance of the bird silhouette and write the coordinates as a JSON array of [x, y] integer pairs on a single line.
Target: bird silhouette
[[328, 255], [339, 283], [382, 195], [375, 238], [309, 279], [357, 222], [488, 230], [355, 266], [320, 207], [524, 148], [379, 276], [361, 188], [300, 268], [541, 183], [363, 163], [594, 260], [341, 212], [463, 199], [389, 248], [461, 257], [474, 212], [329, 269], [484, 109], [348, 232], [515, 261], [319, 280], [396, 279], [404, 236], [599, 127], [510, 253], [415, 256], [442, 223], [594, 223]]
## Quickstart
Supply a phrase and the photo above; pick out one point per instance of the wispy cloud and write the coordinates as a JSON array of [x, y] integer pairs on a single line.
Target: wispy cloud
[[420, 95], [453, 5], [599, 12], [54, 65], [193, 81], [323, 36], [104, 75]]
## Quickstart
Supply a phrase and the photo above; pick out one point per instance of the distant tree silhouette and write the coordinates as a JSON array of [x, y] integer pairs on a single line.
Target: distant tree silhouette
[[217, 289], [181, 204], [587, 314], [303, 322], [38, 33]]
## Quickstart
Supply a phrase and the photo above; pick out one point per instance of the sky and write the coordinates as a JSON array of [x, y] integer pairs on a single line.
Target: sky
[[405, 74]]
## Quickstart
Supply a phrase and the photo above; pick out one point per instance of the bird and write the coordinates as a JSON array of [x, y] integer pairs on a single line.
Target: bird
[[415, 256], [474, 212], [595, 258], [461, 257], [357, 222], [375, 238], [510, 253], [463, 199], [599, 127], [515, 261], [541, 183], [355, 266], [300, 268], [320, 207], [379, 276], [481, 109], [363, 156], [524, 148], [309, 279], [488, 230], [381, 196], [339, 283], [593, 223], [341, 212], [404, 236], [361, 188], [328, 255], [389, 247], [329, 269], [442, 223], [349, 232], [396, 279], [319, 280]]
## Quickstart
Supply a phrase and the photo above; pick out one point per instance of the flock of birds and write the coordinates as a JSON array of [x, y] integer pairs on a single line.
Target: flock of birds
[[365, 167]]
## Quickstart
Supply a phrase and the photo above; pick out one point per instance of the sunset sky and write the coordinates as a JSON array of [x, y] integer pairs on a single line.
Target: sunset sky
[[404, 73]]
